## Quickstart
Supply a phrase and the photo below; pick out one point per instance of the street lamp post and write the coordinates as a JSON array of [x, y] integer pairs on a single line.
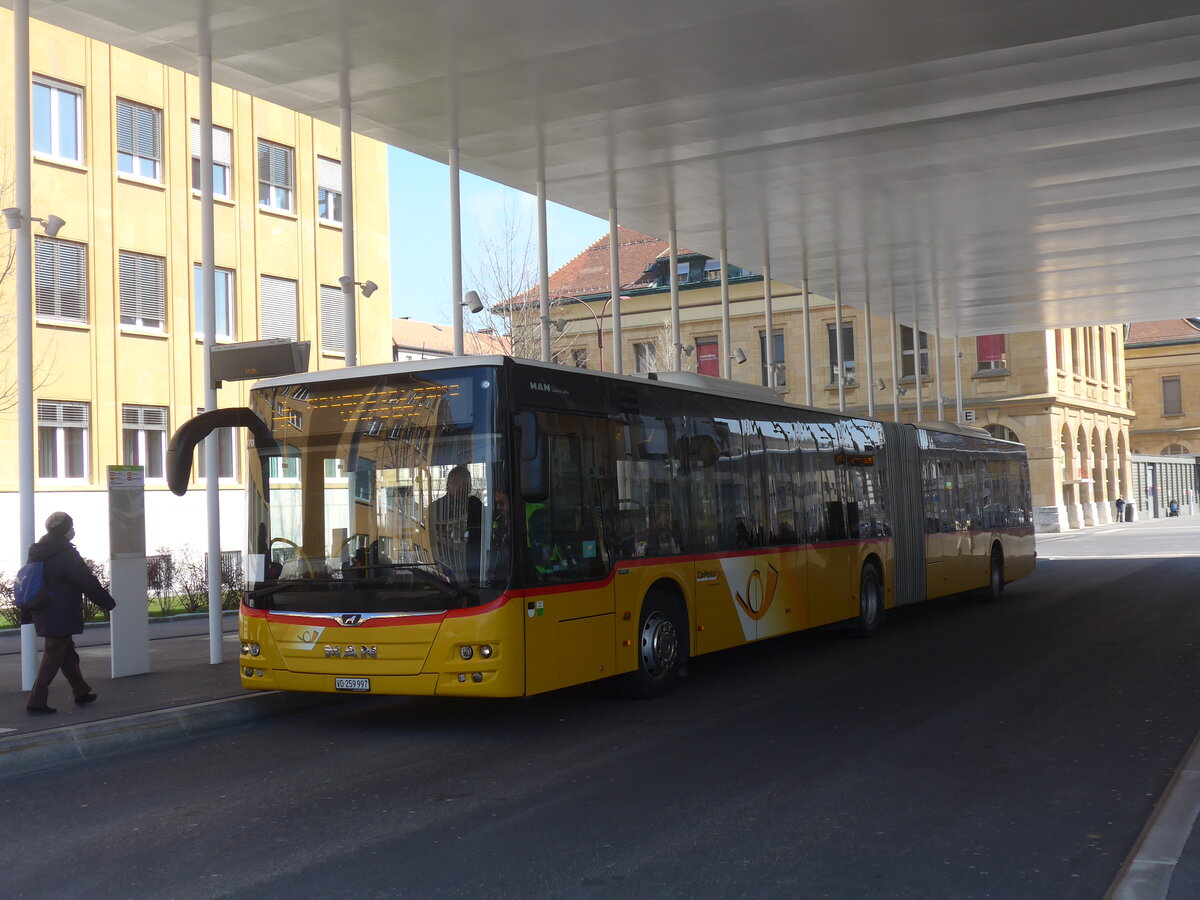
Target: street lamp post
[[599, 319]]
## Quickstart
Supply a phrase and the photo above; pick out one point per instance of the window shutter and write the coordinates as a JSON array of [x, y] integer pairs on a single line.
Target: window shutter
[[148, 132], [222, 144], [143, 288], [277, 303], [333, 319], [124, 126], [60, 281], [150, 418], [58, 413], [329, 174]]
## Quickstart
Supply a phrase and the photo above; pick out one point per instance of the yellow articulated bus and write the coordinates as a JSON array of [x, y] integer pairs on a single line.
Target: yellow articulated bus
[[488, 526]]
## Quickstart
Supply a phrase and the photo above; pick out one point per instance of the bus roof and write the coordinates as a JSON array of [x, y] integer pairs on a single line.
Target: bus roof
[[689, 381]]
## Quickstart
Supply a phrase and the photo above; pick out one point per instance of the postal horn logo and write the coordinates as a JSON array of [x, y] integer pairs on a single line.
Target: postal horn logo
[[758, 596]]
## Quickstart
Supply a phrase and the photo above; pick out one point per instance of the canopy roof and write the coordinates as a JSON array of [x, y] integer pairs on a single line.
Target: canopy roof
[[1006, 165]]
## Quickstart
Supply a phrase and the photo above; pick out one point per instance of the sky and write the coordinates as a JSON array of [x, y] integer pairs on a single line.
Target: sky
[[419, 217]]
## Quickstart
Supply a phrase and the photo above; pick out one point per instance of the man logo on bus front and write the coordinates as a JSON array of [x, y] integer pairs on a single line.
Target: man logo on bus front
[[352, 619]]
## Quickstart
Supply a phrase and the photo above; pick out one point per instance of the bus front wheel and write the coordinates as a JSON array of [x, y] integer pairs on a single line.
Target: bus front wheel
[[662, 649], [870, 604]]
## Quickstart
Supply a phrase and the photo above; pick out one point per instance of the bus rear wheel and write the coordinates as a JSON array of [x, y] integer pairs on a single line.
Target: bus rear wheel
[[870, 604], [995, 588], [662, 649]]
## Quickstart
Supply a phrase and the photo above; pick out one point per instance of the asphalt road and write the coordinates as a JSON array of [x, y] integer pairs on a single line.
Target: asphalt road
[[1009, 750]]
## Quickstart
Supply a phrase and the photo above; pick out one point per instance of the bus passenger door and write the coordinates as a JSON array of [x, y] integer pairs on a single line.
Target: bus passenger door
[[569, 620]]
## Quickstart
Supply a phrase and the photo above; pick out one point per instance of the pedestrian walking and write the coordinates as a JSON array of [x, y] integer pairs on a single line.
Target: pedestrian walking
[[68, 579], [1120, 509]]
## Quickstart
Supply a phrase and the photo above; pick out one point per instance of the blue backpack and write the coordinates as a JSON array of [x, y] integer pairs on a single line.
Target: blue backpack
[[30, 591]]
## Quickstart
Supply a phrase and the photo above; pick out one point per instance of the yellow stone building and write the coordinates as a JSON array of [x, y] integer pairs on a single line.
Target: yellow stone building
[[1061, 393], [118, 354]]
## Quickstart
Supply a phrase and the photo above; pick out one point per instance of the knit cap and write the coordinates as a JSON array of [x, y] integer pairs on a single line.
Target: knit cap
[[59, 523]]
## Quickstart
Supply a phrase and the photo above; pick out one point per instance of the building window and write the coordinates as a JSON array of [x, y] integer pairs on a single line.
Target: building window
[[990, 350], [276, 176], [575, 357], [329, 190], [906, 353], [847, 352], [139, 140], [144, 438], [57, 120], [645, 357], [1116, 358], [63, 439], [778, 359], [278, 307], [60, 279], [227, 454], [222, 160], [1003, 432], [708, 357], [1175, 450], [1129, 392], [1076, 353], [333, 320], [143, 290], [223, 297], [1172, 393]]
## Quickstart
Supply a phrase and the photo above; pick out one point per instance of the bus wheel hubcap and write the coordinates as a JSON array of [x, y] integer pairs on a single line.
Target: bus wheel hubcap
[[660, 644]]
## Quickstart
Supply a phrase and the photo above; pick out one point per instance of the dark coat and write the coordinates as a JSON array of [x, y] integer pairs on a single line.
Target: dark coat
[[69, 580]]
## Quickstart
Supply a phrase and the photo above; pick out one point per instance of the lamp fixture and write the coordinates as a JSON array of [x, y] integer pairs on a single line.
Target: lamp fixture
[[560, 325], [368, 287], [13, 218], [738, 355], [880, 385], [472, 302]]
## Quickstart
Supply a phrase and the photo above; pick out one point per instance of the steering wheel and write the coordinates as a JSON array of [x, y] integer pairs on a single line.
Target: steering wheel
[[309, 573]]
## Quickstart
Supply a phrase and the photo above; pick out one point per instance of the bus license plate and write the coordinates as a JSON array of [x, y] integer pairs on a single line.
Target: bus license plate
[[352, 684]]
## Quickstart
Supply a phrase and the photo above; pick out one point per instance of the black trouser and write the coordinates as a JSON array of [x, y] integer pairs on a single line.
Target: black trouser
[[59, 654]]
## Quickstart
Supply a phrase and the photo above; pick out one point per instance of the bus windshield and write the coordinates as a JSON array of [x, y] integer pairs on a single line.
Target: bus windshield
[[381, 495]]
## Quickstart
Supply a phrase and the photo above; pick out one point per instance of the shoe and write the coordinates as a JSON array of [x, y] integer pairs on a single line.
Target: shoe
[[85, 699], [40, 710]]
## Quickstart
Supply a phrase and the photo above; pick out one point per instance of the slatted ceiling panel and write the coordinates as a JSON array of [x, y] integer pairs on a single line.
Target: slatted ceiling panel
[[333, 319], [329, 174], [277, 308], [60, 280], [222, 141]]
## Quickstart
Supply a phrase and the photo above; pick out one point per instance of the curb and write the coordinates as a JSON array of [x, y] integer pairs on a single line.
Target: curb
[[44, 750], [1147, 872]]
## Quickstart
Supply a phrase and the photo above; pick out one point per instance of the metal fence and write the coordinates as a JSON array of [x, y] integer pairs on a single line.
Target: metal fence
[[1157, 480]]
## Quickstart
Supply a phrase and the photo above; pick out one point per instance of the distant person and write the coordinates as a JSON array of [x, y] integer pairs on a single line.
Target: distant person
[[1120, 509], [68, 579]]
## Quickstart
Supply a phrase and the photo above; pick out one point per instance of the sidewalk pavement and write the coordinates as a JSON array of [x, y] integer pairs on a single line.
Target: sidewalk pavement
[[184, 695]]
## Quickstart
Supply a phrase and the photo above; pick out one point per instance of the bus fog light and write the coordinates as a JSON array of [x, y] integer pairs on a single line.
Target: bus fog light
[[466, 652], [485, 650], [462, 677], [258, 672], [249, 672], [477, 677]]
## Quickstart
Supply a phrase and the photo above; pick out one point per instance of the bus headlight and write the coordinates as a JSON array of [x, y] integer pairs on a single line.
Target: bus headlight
[[465, 651], [249, 649], [485, 650]]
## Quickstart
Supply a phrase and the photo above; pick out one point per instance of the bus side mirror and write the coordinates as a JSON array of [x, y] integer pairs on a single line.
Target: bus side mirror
[[535, 469], [194, 430]]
